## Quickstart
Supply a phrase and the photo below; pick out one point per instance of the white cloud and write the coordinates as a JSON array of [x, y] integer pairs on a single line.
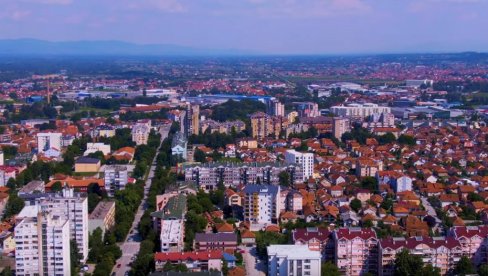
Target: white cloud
[[172, 6]]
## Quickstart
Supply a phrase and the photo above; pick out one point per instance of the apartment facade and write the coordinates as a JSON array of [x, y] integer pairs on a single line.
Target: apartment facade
[[169, 220], [192, 120], [116, 178], [340, 126], [355, 110], [293, 260], [74, 208], [102, 217], [440, 252], [48, 140], [305, 160], [208, 175], [264, 125], [317, 239], [473, 241], [261, 203], [356, 251], [222, 127], [42, 246], [215, 241], [140, 132]]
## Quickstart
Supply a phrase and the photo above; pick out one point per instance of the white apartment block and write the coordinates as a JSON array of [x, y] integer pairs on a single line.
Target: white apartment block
[[169, 219], [74, 208], [208, 175], [293, 260], [94, 147], [305, 160], [140, 132], [42, 246], [48, 140], [116, 178], [355, 110], [262, 203]]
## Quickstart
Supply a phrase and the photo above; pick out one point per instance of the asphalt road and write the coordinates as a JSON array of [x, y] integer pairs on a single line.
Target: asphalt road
[[130, 247]]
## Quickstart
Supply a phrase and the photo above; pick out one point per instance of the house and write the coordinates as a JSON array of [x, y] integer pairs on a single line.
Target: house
[[194, 261], [248, 238]]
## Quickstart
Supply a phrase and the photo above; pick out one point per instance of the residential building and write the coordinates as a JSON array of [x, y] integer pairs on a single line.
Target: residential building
[[179, 146], [192, 120], [103, 217], [317, 239], [194, 261], [87, 164], [473, 241], [440, 252], [340, 126], [141, 131], [104, 131], [94, 147], [222, 127], [42, 246], [31, 187], [215, 241], [208, 175], [293, 260], [48, 140], [169, 219], [275, 108], [307, 109], [67, 206], [263, 125], [355, 110], [261, 203], [356, 250], [305, 160], [116, 178]]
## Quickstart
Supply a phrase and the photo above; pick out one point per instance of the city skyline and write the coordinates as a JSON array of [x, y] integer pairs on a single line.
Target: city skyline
[[257, 26]]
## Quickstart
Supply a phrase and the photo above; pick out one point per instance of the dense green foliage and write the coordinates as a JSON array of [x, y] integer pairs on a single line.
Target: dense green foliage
[[236, 110], [103, 252], [407, 264]]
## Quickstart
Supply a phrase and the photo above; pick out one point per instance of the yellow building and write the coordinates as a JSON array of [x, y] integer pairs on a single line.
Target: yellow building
[[87, 164]]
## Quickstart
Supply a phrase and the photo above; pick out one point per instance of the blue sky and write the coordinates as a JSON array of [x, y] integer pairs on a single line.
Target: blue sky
[[265, 26]]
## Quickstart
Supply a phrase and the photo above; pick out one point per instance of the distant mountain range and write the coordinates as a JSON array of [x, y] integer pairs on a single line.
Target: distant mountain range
[[106, 48]]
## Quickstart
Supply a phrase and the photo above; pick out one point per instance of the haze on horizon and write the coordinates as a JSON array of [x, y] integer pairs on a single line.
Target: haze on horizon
[[264, 26]]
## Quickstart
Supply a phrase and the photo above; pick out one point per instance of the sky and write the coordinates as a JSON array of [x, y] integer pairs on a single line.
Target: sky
[[261, 26]]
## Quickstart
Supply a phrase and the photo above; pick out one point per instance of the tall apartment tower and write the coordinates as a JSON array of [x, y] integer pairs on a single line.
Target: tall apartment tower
[[192, 119], [67, 206], [275, 108], [42, 246], [340, 126], [305, 160]]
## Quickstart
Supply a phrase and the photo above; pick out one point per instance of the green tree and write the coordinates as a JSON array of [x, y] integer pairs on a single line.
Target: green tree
[[483, 270], [369, 183], [356, 204], [74, 258], [407, 264], [430, 270], [406, 140], [464, 267], [56, 187], [284, 178], [329, 269], [14, 205]]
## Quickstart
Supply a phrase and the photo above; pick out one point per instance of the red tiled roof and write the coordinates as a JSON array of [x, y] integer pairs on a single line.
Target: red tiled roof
[[178, 256]]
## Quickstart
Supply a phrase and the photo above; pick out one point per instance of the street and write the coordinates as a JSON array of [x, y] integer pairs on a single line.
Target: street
[[249, 257], [130, 247]]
